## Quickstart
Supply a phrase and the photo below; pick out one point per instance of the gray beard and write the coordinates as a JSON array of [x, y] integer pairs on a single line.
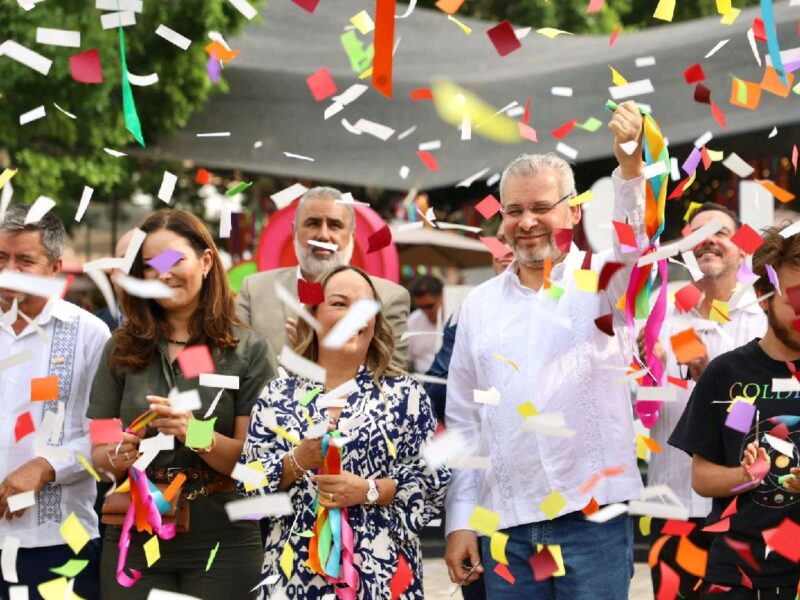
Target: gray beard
[[314, 266], [534, 258]]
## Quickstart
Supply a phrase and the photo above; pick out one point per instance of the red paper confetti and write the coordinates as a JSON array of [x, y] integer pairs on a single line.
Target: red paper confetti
[[310, 293], [794, 157], [543, 564], [605, 323], [321, 84], [687, 298], [746, 581], [625, 234], [203, 177], [428, 160], [702, 94], [681, 383], [402, 577], [488, 207], [105, 431], [780, 431], [784, 539], [670, 583], [595, 6], [563, 239], [719, 527], [503, 37], [421, 94], [527, 132], [85, 67], [743, 550], [384, 44], [793, 293], [705, 158], [563, 131], [678, 191], [694, 74], [613, 39], [68, 282], [758, 30], [526, 118], [731, 509], [495, 246], [379, 240], [747, 238], [308, 5], [606, 273], [502, 570], [23, 426], [718, 115], [675, 527], [194, 360], [591, 508]]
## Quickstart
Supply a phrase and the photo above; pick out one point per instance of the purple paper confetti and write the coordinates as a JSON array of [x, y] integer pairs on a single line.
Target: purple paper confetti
[[773, 279], [745, 275], [741, 416], [691, 162], [213, 69], [165, 261]]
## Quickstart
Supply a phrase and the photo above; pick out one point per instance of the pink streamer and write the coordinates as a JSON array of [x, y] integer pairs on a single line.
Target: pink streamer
[[165, 531], [349, 574]]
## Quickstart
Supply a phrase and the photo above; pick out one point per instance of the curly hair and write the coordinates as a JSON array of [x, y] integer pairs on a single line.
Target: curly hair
[[145, 321], [776, 251], [380, 354]]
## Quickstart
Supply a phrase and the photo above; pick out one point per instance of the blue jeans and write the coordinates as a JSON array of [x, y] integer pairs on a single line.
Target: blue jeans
[[598, 560]]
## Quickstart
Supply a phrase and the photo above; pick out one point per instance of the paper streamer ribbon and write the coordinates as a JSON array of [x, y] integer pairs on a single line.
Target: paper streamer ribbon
[[331, 550], [146, 507], [132, 123]]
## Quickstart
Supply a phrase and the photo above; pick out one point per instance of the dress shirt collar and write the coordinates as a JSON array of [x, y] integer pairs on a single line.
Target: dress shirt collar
[[571, 260]]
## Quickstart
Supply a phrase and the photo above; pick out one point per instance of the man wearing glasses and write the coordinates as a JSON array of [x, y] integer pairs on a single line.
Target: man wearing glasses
[[528, 340], [722, 268]]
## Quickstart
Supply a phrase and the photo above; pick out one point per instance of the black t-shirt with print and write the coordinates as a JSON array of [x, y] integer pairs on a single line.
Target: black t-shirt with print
[[745, 372]]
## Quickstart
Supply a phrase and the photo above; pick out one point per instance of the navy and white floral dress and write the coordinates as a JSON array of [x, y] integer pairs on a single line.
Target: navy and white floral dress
[[397, 411]]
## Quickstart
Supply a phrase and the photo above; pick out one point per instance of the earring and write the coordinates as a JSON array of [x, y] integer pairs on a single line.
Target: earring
[[205, 275]]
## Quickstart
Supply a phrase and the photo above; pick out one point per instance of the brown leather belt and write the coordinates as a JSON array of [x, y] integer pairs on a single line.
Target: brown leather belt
[[200, 482]]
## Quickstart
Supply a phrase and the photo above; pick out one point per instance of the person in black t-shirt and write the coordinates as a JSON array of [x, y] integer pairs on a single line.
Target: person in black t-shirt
[[747, 460]]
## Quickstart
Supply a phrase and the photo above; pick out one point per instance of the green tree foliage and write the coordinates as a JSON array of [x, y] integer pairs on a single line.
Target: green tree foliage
[[571, 15], [56, 155]]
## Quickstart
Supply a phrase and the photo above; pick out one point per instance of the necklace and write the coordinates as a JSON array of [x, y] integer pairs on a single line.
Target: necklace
[[179, 342]]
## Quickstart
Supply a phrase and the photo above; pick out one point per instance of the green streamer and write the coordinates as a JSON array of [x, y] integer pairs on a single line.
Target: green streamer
[[132, 123]]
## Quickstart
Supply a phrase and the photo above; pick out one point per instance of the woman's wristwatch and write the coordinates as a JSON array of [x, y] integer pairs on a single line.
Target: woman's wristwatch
[[372, 493]]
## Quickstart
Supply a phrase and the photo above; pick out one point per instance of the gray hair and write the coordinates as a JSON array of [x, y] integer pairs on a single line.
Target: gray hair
[[50, 226], [327, 192], [530, 165]]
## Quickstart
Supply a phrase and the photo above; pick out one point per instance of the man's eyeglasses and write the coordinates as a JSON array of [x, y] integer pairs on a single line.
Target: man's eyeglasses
[[515, 211]]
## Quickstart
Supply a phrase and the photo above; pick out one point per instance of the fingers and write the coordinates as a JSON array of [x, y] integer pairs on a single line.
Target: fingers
[[131, 438]]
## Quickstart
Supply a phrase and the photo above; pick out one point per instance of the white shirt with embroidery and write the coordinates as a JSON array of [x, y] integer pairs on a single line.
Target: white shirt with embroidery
[[74, 356], [562, 358], [672, 466]]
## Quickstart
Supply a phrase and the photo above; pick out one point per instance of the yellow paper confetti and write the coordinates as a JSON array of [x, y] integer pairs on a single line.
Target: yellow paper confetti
[[287, 560], [664, 10], [730, 17], [551, 32], [74, 533], [484, 520], [644, 524], [212, 555], [365, 74], [527, 409], [463, 27], [87, 466], [510, 362], [256, 465], [498, 547], [6, 176], [285, 435], [586, 280], [392, 449], [719, 312], [152, 551], [616, 78], [693, 206], [56, 589], [724, 7], [125, 486], [307, 415], [715, 155], [643, 444], [555, 552], [580, 199], [453, 103], [363, 22], [552, 505]]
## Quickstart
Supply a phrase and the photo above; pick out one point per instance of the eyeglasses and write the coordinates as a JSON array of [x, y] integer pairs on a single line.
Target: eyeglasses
[[539, 209]]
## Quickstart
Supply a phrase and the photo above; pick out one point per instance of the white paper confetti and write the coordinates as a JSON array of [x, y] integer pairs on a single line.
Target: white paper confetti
[[173, 37]]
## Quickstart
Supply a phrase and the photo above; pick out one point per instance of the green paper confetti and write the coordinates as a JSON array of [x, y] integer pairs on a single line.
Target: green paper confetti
[[240, 187], [306, 534], [199, 433], [212, 556], [591, 124], [71, 568], [310, 396], [360, 59], [555, 292], [132, 123]]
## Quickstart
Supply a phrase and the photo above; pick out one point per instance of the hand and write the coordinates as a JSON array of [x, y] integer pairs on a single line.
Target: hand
[[658, 349], [169, 421], [309, 454], [291, 332], [697, 366], [123, 454], [627, 125], [462, 545], [751, 454], [30, 477], [792, 484], [341, 491]]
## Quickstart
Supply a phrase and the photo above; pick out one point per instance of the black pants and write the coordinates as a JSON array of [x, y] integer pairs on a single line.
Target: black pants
[[742, 593], [667, 554], [475, 590], [34, 564]]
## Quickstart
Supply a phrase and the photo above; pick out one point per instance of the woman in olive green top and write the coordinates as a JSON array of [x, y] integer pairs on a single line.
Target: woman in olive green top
[[136, 374]]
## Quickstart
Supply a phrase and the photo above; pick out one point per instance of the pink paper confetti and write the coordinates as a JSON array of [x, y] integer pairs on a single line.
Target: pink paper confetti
[[595, 6], [773, 279], [165, 261]]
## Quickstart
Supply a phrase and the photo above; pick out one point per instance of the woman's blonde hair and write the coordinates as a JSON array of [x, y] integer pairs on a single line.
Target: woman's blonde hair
[[380, 354]]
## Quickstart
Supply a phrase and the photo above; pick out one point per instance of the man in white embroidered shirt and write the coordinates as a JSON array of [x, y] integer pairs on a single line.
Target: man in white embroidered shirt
[[721, 264], [546, 326], [40, 441]]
